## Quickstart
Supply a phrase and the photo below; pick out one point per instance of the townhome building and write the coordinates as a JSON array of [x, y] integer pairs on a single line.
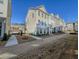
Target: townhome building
[[5, 14], [58, 23], [17, 28], [76, 26], [72, 27], [61, 25], [39, 21]]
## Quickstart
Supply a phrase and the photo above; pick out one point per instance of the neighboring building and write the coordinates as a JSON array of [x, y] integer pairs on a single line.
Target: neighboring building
[[58, 23], [5, 15], [69, 26], [72, 27], [39, 21], [76, 26], [17, 28]]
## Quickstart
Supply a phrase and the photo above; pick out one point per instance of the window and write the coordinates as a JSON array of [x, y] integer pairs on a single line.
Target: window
[[39, 21], [38, 13], [1, 12], [45, 24], [42, 14], [32, 15]]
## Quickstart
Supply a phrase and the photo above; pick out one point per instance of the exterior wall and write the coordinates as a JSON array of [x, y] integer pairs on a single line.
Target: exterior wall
[[16, 28], [5, 14], [72, 27], [8, 18], [31, 21], [3, 8], [76, 26], [62, 25], [42, 22], [58, 23], [39, 22]]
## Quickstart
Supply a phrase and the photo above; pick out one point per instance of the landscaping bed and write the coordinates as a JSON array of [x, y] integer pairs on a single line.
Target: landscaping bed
[[4, 40], [24, 38], [2, 43]]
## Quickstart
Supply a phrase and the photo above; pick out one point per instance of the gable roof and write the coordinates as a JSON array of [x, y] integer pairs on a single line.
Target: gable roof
[[41, 7]]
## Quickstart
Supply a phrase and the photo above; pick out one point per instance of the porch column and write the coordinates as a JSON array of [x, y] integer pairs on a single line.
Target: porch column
[[39, 31], [49, 30], [45, 31], [42, 31]]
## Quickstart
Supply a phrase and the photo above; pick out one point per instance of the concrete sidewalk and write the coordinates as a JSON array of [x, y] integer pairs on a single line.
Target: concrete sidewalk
[[12, 41]]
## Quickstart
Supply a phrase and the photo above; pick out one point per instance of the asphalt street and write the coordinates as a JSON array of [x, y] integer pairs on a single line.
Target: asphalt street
[[32, 50]]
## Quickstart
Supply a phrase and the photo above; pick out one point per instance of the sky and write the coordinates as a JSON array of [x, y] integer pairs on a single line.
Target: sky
[[66, 9]]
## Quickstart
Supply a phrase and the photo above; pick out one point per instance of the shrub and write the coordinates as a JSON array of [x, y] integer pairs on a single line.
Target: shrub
[[5, 37], [21, 33]]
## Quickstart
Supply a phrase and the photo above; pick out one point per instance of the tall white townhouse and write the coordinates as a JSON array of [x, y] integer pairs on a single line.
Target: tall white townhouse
[[39, 21], [58, 23], [5, 14]]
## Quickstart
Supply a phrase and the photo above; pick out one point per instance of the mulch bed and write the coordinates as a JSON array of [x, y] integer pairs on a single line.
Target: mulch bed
[[2, 43], [24, 38]]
